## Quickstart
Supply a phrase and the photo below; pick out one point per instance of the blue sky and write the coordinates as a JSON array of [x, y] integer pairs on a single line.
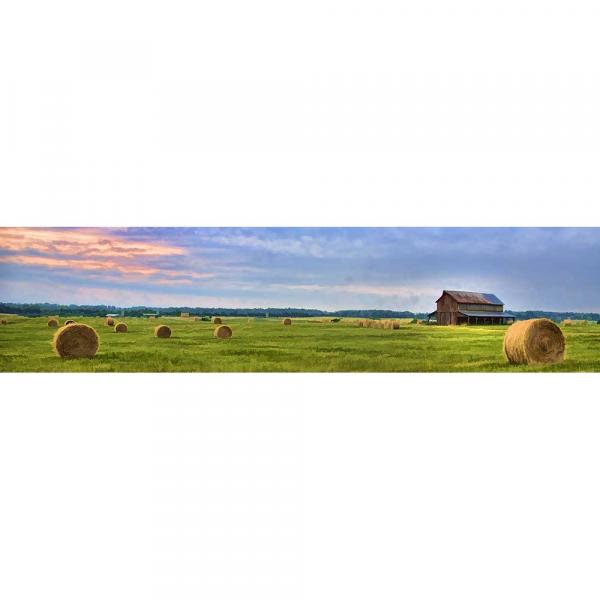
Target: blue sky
[[326, 268]]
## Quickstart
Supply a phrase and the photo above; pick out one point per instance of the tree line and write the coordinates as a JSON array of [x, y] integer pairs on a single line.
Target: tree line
[[41, 309]]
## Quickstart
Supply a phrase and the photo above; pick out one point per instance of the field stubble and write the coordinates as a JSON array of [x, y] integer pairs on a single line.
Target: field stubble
[[265, 345]]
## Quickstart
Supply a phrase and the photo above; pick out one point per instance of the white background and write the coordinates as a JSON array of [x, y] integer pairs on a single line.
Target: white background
[[314, 113]]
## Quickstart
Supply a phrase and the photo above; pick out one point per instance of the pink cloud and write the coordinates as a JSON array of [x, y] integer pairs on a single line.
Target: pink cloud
[[97, 253], [77, 242]]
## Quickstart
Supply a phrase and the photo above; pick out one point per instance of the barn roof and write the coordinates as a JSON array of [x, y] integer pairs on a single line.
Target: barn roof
[[473, 297]]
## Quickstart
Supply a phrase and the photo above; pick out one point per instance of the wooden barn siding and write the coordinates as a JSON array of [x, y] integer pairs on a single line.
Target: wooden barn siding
[[447, 308]]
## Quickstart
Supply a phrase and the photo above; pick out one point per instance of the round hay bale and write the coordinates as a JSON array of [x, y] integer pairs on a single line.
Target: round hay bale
[[162, 331], [567, 322], [69, 322], [360, 323], [217, 320], [3, 322], [121, 328], [75, 341], [395, 325], [534, 341], [52, 323], [109, 321], [223, 332], [287, 321]]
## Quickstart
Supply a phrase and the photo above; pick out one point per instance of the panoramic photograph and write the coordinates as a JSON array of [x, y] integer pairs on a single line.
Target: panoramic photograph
[[299, 299]]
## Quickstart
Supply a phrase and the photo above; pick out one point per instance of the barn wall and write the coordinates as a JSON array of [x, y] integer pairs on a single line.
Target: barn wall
[[447, 308]]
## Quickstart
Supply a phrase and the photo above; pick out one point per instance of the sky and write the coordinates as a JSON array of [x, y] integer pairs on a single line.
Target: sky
[[324, 268]]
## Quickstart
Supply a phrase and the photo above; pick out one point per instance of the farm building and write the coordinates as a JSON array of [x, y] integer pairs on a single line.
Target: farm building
[[470, 308]]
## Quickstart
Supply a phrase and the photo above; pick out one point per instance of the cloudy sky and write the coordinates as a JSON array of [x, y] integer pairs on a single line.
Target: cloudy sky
[[326, 268]]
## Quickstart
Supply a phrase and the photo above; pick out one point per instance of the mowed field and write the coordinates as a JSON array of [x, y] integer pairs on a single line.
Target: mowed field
[[265, 345]]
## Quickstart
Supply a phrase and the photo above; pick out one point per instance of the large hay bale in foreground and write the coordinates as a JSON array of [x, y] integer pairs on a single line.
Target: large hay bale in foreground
[[223, 332], [109, 321], [69, 322], [217, 320], [75, 341], [121, 328], [287, 321], [52, 323], [162, 331], [534, 341]]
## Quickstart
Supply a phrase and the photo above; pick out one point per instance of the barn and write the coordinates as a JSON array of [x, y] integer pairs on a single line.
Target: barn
[[470, 308]]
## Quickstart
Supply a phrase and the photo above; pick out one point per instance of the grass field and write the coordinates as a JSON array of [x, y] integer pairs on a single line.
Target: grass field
[[266, 345]]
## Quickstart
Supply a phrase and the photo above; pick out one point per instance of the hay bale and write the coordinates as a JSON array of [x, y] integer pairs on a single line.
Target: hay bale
[[162, 331], [52, 323], [120, 328], [567, 322], [534, 341], [69, 322], [287, 321], [3, 322], [223, 332], [109, 321], [217, 320], [75, 341], [395, 325]]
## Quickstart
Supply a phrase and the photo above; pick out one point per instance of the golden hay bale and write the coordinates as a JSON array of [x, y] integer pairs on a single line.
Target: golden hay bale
[[287, 321], [223, 332], [121, 328], [217, 320], [109, 321], [75, 341], [162, 331], [69, 322], [567, 322], [534, 341], [395, 325], [52, 323]]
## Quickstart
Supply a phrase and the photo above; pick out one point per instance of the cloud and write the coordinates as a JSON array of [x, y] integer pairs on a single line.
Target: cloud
[[96, 252], [402, 268], [370, 290], [321, 244], [74, 242]]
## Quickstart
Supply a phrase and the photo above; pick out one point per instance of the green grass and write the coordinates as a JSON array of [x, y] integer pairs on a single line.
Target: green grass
[[266, 345]]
